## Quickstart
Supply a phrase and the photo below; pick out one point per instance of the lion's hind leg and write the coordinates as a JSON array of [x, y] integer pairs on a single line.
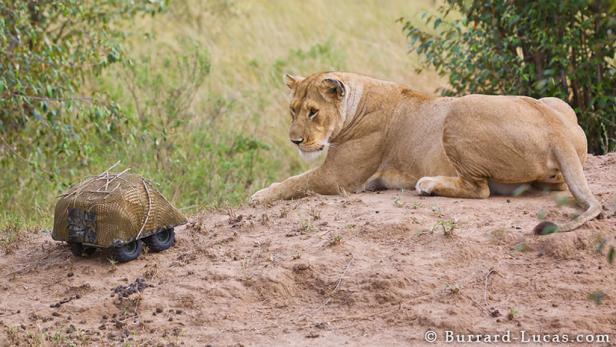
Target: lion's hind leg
[[454, 187]]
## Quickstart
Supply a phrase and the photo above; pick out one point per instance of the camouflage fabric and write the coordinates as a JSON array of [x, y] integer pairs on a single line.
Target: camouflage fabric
[[112, 209]]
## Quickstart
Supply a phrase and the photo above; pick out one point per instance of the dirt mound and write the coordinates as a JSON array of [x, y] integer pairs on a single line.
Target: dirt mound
[[370, 268]]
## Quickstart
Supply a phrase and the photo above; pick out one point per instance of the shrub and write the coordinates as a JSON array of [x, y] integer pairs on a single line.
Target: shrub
[[77, 95], [48, 48], [536, 48]]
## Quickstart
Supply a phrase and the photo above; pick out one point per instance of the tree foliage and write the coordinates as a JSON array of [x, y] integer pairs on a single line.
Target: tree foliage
[[84, 84], [563, 48], [49, 47]]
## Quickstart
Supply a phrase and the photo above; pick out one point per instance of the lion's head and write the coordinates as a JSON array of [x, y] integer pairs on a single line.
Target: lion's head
[[316, 109]]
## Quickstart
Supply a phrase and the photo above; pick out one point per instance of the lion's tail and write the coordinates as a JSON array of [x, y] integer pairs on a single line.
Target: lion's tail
[[571, 168]]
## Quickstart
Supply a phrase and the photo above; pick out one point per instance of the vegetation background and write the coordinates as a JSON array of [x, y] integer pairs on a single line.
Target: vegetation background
[[187, 93]]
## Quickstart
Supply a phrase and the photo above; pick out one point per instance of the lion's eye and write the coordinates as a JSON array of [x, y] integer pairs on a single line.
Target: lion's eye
[[293, 113], [313, 113]]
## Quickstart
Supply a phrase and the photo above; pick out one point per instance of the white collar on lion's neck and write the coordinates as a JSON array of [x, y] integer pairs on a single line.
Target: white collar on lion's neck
[[353, 106], [350, 103]]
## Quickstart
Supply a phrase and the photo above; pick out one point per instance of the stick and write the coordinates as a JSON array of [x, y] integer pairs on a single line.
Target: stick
[[114, 177], [147, 191], [329, 296], [341, 276], [111, 167], [485, 288]]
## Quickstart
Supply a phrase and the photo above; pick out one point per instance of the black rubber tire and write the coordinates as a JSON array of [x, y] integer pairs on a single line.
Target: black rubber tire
[[161, 240], [128, 252], [79, 250]]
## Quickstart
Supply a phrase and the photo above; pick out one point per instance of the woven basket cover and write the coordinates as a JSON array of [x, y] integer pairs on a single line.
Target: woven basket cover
[[112, 210]]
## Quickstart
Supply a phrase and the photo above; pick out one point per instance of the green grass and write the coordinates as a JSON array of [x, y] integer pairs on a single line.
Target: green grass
[[202, 108]]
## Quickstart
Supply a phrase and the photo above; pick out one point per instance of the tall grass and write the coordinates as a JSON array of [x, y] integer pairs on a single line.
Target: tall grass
[[202, 109]]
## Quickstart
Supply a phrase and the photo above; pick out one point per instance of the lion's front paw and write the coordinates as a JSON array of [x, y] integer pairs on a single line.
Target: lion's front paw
[[425, 186], [264, 196], [259, 197]]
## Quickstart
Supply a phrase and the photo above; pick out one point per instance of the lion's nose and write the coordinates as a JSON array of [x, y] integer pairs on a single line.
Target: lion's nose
[[297, 141]]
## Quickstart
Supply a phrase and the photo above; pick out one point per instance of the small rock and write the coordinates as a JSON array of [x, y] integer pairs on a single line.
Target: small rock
[[300, 267], [320, 325], [312, 335]]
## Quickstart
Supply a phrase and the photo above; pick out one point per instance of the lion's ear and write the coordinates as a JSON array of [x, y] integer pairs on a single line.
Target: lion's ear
[[292, 81], [332, 88]]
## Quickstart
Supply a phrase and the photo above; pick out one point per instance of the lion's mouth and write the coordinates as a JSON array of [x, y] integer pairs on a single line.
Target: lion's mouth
[[311, 148], [311, 153]]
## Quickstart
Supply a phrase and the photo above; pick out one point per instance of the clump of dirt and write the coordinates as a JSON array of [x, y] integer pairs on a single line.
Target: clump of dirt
[[127, 290], [364, 269], [64, 301]]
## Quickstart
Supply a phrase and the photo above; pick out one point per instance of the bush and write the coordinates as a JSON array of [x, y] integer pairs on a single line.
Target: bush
[[74, 100], [563, 48], [48, 48], [49, 51]]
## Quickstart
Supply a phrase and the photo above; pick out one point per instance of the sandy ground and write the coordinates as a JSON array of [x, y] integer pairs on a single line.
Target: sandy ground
[[366, 269]]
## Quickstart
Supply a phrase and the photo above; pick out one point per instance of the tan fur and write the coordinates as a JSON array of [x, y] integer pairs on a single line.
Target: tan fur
[[383, 135]]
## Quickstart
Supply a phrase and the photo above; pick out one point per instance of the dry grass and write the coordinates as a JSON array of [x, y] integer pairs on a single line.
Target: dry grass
[[253, 43]]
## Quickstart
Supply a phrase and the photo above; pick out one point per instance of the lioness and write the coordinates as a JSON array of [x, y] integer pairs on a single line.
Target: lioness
[[382, 135]]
